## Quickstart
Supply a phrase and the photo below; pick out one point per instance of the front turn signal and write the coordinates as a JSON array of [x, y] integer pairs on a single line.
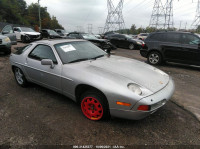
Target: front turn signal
[[123, 104]]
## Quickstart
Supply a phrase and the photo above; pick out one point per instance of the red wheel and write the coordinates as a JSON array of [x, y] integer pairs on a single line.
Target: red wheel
[[92, 108]]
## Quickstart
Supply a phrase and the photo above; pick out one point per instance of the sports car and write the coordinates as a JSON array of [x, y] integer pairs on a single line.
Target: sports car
[[103, 85]]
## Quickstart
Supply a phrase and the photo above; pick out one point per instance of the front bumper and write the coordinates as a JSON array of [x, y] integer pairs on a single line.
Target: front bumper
[[157, 100], [5, 46]]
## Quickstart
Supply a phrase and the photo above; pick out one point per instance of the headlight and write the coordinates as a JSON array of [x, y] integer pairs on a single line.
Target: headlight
[[6, 40], [135, 88]]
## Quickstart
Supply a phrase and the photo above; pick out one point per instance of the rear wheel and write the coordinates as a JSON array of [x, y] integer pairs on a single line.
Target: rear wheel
[[131, 46], [154, 58], [94, 106], [19, 77]]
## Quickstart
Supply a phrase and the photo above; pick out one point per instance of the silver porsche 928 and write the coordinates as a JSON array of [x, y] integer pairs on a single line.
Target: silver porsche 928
[[103, 85]]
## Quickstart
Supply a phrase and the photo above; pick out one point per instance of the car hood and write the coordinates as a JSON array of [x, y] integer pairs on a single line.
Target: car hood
[[31, 33], [138, 72]]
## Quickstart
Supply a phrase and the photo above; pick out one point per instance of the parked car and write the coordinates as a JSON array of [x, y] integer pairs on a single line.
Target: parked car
[[101, 43], [5, 44], [51, 34], [181, 47], [61, 32], [9, 32], [125, 41], [108, 34], [26, 34], [142, 36], [103, 85]]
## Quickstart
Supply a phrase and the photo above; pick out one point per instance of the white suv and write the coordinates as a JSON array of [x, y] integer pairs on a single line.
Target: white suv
[[26, 34]]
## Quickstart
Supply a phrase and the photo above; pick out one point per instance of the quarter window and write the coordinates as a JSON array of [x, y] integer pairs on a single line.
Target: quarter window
[[190, 39], [43, 52]]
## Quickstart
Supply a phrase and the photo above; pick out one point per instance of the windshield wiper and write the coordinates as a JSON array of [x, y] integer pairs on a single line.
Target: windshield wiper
[[97, 57], [79, 60]]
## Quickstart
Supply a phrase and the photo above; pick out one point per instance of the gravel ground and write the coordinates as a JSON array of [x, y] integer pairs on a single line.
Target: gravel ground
[[38, 116]]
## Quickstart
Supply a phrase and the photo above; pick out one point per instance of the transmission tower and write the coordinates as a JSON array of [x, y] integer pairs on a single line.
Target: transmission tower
[[196, 21], [162, 14], [115, 20]]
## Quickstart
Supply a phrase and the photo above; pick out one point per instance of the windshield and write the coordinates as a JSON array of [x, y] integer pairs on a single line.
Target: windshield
[[128, 36], [51, 32], [21, 50], [70, 52], [63, 31], [143, 34], [89, 36], [26, 29]]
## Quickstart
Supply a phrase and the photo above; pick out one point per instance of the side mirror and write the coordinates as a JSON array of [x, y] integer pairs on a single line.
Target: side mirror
[[5, 32], [48, 62]]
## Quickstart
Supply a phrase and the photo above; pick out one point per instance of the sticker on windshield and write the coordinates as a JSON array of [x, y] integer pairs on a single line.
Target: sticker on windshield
[[67, 48]]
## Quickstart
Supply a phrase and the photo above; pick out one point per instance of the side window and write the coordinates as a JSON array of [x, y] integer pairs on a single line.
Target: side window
[[158, 37], [190, 39], [173, 37], [58, 31], [7, 29], [75, 36], [43, 52]]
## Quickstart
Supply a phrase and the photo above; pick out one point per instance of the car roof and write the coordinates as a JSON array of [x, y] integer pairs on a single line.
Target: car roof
[[57, 41], [174, 32]]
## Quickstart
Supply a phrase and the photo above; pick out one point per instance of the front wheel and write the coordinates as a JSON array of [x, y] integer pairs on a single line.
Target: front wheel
[[154, 58], [94, 106], [8, 52], [19, 77]]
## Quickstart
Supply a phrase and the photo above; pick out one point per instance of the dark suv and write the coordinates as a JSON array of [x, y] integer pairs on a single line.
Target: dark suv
[[180, 47]]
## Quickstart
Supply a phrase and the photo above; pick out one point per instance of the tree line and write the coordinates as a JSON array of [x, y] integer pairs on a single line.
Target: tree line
[[18, 12], [135, 31]]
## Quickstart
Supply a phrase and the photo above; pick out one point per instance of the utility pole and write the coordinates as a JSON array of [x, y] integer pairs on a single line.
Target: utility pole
[[196, 21], [186, 26], [180, 25], [90, 28], [162, 14], [39, 15], [115, 20], [100, 30]]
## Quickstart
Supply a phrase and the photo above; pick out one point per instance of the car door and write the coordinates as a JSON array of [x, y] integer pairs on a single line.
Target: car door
[[116, 40], [8, 31], [171, 47], [43, 74], [191, 48], [18, 33]]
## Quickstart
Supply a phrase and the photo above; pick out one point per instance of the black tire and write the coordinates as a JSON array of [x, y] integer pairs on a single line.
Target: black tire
[[131, 46], [20, 78], [24, 39], [154, 58], [101, 99]]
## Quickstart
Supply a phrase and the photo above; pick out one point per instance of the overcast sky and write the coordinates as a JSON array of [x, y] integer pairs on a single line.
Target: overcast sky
[[73, 13]]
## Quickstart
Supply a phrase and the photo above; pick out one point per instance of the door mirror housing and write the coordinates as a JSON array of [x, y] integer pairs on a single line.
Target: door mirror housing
[[48, 62], [5, 32]]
